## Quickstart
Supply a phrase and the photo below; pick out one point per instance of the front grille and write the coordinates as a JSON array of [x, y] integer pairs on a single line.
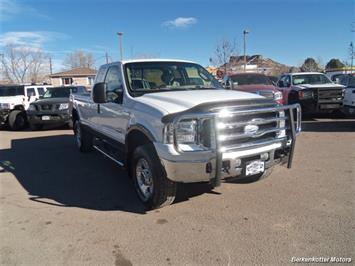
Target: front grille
[[46, 107], [266, 93], [328, 95], [250, 128]]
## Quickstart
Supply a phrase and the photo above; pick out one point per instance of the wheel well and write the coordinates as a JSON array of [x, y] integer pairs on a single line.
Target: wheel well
[[134, 139], [19, 107]]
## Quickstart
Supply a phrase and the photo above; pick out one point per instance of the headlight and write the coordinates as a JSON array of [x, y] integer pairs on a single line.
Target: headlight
[[186, 132], [186, 135], [63, 106], [4, 106], [305, 94], [278, 96], [32, 107], [281, 124]]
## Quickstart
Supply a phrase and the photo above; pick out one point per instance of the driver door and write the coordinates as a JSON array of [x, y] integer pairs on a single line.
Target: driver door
[[112, 118]]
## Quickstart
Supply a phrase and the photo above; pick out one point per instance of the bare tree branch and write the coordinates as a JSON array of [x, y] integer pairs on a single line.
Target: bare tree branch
[[23, 64], [79, 59], [224, 50]]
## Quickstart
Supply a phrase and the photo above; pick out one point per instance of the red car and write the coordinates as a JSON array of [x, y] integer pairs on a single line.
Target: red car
[[254, 83]]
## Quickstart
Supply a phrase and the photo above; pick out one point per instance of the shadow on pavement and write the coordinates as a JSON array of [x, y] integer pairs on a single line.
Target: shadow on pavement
[[54, 172]]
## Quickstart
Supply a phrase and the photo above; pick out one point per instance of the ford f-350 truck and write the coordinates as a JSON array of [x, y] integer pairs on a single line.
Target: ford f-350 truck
[[170, 121]]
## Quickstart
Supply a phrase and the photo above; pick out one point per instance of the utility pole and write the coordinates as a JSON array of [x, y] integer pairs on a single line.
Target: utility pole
[[120, 34], [106, 55], [50, 65], [351, 56], [245, 32]]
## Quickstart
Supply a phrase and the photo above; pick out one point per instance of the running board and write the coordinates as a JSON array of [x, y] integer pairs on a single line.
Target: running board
[[108, 156]]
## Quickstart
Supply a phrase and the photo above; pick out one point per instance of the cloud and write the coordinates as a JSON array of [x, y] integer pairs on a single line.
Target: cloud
[[10, 9], [180, 22], [34, 39]]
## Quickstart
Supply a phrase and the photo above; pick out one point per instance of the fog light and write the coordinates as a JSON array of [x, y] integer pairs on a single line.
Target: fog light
[[264, 156]]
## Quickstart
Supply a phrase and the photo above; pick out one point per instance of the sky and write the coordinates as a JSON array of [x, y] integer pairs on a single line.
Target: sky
[[286, 31]]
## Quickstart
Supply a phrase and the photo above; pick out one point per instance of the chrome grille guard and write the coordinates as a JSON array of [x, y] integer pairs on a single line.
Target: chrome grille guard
[[294, 117]]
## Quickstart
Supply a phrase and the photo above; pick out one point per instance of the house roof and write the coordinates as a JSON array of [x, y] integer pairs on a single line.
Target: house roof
[[76, 72]]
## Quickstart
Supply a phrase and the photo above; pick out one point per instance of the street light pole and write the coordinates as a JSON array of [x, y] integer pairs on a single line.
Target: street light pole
[[352, 56], [245, 32], [120, 34]]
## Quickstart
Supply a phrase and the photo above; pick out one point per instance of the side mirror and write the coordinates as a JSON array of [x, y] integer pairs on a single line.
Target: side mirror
[[281, 84], [99, 92]]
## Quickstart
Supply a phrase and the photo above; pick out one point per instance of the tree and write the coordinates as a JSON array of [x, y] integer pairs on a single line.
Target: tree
[[334, 63], [223, 52], [23, 64], [310, 65], [79, 59]]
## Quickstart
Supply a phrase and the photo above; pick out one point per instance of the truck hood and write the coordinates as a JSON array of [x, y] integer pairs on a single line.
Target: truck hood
[[178, 101], [52, 101], [311, 86], [255, 87], [12, 99]]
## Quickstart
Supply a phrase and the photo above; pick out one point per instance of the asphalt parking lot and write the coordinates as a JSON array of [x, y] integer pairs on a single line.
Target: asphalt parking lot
[[61, 207]]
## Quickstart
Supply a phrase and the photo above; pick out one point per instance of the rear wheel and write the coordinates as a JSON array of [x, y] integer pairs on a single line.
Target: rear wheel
[[83, 138], [154, 189], [17, 120]]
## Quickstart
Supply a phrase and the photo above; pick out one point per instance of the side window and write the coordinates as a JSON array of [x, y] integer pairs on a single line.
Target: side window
[[100, 76], [281, 80], [113, 82], [40, 91], [31, 92]]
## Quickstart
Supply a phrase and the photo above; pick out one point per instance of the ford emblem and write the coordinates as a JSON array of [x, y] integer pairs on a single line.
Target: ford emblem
[[250, 129]]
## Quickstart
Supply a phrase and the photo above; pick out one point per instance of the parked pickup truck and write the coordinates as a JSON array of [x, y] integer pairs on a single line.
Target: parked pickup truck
[[52, 107], [170, 121], [255, 83], [314, 91]]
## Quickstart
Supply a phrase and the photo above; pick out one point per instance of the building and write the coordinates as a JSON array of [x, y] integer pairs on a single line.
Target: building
[[255, 63], [76, 76]]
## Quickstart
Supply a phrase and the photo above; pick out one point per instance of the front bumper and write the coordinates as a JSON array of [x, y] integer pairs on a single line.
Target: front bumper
[[35, 117], [202, 167], [313, 106]]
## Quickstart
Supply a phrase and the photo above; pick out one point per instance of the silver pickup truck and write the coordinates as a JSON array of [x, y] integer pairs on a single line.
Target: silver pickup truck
[[170, 121]]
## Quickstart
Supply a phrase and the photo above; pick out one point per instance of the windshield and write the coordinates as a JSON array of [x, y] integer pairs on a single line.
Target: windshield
[[59, 92], [251, 79], [310, 79], [11, 91], [147, 77]]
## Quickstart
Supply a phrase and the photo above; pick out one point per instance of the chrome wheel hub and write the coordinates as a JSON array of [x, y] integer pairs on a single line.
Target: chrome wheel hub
[[144, 178]]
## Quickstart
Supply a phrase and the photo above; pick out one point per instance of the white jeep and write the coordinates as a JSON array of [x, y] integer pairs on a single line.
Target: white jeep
[[15, 100]]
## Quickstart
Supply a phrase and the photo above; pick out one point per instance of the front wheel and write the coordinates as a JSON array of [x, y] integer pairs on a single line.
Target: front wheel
[[17, 120], [154, 189]]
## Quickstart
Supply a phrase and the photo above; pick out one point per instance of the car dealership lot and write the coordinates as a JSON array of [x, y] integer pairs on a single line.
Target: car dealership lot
[[61, 207]]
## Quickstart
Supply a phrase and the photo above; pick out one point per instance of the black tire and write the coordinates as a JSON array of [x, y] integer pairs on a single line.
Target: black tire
[[164, 190], [17, 120], [36, 126], [83, 138]]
